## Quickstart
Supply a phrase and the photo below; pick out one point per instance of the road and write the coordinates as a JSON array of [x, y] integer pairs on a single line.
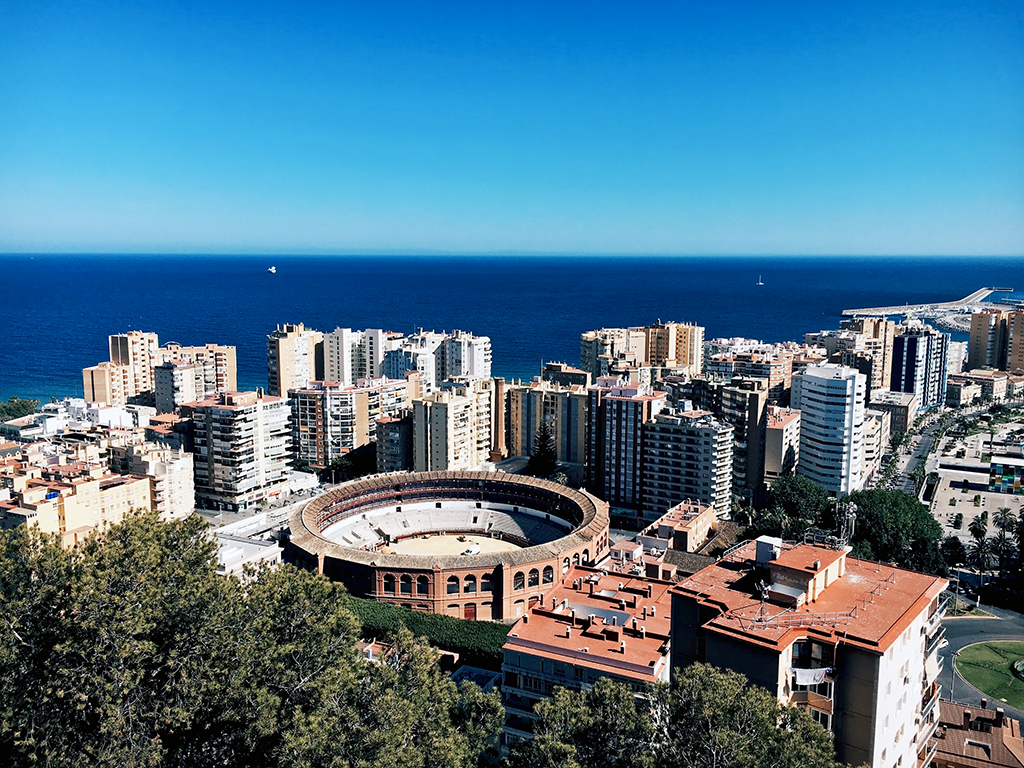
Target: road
[[1008, 625]]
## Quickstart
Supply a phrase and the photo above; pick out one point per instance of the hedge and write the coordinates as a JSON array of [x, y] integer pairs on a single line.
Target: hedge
[[478, 642]]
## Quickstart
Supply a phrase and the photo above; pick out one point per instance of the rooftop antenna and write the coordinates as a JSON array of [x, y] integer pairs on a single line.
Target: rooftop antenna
[[762, 588]]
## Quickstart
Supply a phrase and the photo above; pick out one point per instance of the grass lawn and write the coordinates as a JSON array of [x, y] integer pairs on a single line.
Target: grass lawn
[[987, 666]]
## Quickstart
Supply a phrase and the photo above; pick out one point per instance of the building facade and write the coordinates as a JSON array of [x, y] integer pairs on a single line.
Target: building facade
[[295, 357], [564, 408], [919, 362], [453, 429], [782, 443], [830, 399]]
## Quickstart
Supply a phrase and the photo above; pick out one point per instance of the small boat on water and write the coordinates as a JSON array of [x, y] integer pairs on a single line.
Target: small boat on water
[[272, 270], [759, 280]]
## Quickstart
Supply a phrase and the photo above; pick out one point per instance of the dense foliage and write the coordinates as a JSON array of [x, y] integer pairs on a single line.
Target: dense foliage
[[479, 642], [15, 408], [358, 462], [708, 719], [891, 526], [544, 459], [131, 651]]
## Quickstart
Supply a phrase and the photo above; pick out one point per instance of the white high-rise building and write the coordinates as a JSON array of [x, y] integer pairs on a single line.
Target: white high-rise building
[[452, 429], [353, 355], [831, 401], [465, 357]]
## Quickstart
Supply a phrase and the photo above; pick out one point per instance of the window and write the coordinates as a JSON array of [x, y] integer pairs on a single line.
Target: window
[[576, 559], [534, 577], [565, 566], [453, 585], [518, 581], [406, 584], [549, 574], [422, 585], [469, 585], [389, 583], [485, 583]]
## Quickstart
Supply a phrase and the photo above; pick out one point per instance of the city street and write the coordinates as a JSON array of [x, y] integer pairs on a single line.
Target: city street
[[1008, 625]]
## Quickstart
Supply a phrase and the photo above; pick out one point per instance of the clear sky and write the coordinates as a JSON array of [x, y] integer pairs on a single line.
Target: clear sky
[[553, 127]]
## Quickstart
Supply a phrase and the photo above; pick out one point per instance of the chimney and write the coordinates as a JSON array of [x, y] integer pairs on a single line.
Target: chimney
[[1000, 714], [568, 631], [967, 719], [652, 610], [984, 703], [643, 632], [620, 586], [575, 583], [526, 618], [644, 613], [622, 646], [591, 587], [634, 622]]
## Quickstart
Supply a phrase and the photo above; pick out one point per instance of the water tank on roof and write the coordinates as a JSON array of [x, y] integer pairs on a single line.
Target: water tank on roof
[[768, 548]]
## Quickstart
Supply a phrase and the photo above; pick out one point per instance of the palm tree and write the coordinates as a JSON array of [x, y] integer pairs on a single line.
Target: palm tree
[[978, 528], [1004, 519], [980, 554]]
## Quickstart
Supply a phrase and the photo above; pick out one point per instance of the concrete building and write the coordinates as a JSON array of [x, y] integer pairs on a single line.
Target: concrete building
[[170, 472], [960, 392], [242, 442], [686, 456], [744, 403], [901, 407], [919, 363], [295, 357], [594, 625], [136, 351], [330, 419], [565, 375], [976, 737], [686, 527], [956, 358], [877, 431], [989, 344], [464, 358], [616, 413], [993, 384], [564, 408], [72, 500], [352, 355], [178, 382], [679, 346], [855, 643], [1006, 475], [830, 399], [394, 442], [598, 347], [453, 429], [782, 443]]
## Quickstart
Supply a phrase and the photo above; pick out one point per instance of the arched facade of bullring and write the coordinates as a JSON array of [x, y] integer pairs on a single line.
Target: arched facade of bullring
[[497, 586]]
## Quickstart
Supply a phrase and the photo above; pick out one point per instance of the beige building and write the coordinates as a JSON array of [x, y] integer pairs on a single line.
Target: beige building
[[295, 357], [855, 643], [676, 345], [170, 472], [594, 624], [242, 442], [71, 500], [901, 406], [330, 419], [781, 443], [453, 429], [877, 431], [564, 408]]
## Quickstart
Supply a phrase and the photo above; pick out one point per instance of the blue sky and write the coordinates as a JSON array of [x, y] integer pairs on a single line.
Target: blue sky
[[676, 128]]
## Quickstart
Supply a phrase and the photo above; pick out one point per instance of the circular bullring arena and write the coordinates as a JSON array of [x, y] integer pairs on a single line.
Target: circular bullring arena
[[475, 545]]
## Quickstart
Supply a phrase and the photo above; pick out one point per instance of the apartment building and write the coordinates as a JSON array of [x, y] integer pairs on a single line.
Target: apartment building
[[877, 431], [352, 355], [295, 357], [564, 408], [331, 419], [679, 346], [595, 624], [686, 456], [901, 407], [616, 413], [919, 362], [453, 429], [781, 443], [831, 401], [394, 442], [72, 499], [854, 642], [170, 472], [242, 448], [997, 340]]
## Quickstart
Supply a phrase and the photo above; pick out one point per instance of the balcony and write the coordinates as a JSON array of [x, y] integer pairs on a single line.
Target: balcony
[[813, 701], [932, 643], [928, 701], [924, 759]]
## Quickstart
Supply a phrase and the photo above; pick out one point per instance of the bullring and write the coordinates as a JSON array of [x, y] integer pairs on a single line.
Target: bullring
[[476, 545]]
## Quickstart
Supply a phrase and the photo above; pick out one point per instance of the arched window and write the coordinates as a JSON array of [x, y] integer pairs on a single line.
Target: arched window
[[406, 584], [565, 566], [549, 574], [534, 577], [586, 556], [453, 585], [518, 581], [389, 583], [422, 585], [519, 605], [485, 583], [469, 584], [576, 559]]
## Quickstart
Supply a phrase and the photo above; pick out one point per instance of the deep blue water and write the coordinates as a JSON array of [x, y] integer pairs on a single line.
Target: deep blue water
[[57, 311]]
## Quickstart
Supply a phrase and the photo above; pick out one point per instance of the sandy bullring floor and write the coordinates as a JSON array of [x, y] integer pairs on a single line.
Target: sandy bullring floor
[[448, 545]]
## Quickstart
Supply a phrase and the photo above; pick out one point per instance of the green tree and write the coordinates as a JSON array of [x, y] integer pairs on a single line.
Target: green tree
[[709, 718], [981, 554], [15, 408], [544, 458], [954, 552], [793, 505], [894, 527], [978, 528]]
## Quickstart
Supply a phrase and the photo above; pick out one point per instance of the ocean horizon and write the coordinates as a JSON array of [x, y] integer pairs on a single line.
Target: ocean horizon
[[58, 309]]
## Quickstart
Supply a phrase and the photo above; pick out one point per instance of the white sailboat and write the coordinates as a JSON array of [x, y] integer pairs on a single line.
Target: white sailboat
[[759, 280], [272, 270]]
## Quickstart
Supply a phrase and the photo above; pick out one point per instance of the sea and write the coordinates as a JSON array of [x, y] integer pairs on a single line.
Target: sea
[[57, 310]]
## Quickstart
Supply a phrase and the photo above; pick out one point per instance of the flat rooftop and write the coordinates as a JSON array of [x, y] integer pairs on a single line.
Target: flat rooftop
[[870, 605], [625, 609]]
